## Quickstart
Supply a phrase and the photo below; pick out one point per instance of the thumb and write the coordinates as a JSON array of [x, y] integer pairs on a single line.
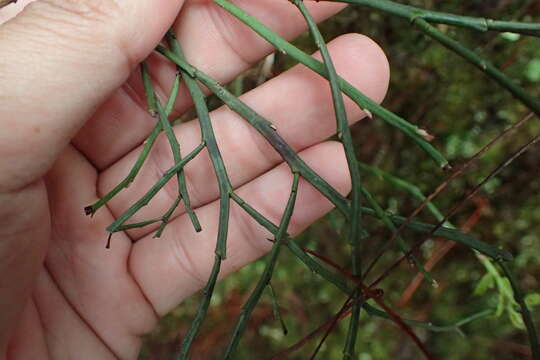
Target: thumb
[[60, 60]]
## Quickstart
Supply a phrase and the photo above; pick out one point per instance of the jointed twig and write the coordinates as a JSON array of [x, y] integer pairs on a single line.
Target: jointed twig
[[327, 325], [401, 183], [275, 309], [339, 281], [387, 221], [266, 129], [350, 283], [264, 280], [344, 133], [145, 152], [426, 201], [225, 189], [363, 101], [470, 22], [531, 330], [458, 205], [154, 106], [481, 63], [116, 225], [525, 312]]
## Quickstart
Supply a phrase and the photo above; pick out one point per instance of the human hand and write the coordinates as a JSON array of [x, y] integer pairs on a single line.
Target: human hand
[[72, 121]]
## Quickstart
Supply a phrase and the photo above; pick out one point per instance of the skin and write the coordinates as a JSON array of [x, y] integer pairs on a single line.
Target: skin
[[72, 121]]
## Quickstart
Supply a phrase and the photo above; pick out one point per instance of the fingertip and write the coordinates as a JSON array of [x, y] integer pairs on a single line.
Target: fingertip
[[364, 64]]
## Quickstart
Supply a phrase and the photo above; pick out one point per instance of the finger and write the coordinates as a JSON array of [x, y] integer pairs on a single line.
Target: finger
[[298, 102], [213, 41], [23, 243], [172, 268], [78, 52], [94, 281], [67, 335], [28, 339]]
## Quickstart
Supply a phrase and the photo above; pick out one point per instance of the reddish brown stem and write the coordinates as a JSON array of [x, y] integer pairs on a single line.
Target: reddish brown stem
[[456, 207], [444, 185], [376, 295], [441, 252]]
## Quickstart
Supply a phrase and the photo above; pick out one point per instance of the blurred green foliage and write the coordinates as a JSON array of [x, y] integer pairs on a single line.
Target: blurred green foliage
[[463, 110]]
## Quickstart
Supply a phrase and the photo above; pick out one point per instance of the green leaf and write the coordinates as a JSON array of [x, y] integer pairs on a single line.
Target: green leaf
[[486, 282], [516, 319], [510, 36], [532, 72], [532, 299]]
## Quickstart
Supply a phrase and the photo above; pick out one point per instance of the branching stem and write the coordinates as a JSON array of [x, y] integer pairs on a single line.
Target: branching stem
[[265, 278], [362, 100], [470, 22]]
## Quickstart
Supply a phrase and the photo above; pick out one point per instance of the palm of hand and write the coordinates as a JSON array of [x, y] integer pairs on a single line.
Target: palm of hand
[[97, 303]]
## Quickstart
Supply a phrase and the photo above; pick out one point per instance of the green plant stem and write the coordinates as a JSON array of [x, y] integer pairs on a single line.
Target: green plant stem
[[484, 65], [147, 147], [276, 309], [171, 101], [207, 131], [340, 282], [344, 133], [387, 221], [401, 183], [138, 225], [225, 188], [525, 312], [417, 193], [202, 310], [156, 109], [148, 144], [470, 22], [371, 310], [417, 226], [165, 218], [363, 101], [266, 129], [182, 186], [182, 183], [265, 278], [151, 99], [116, 225], [450, 234]]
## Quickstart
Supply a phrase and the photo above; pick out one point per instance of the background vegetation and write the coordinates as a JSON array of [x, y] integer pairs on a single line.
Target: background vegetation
[[464, 110]]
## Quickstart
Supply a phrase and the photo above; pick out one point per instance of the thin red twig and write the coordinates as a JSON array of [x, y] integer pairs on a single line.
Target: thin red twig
[[376, 295], [444, 185], [456, 207], [441, 252]]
